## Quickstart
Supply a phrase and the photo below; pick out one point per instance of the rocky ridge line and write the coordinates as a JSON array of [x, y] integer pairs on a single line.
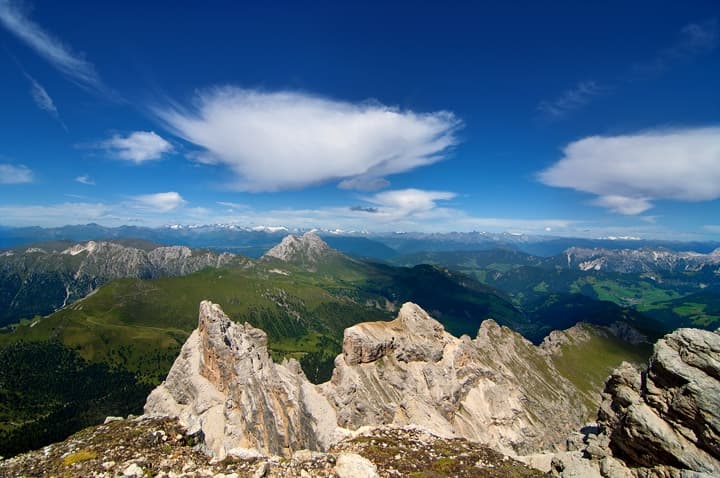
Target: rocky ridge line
[[638, 260], [497, 389], [40, 281]]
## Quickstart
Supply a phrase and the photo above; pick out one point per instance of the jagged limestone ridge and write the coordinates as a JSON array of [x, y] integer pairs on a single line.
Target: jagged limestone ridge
[[497, 389]]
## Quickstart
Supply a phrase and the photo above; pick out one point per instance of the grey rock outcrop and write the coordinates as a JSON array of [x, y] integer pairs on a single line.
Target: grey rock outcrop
[[663, 421], [670, 415], [225, 385], [497, 389]]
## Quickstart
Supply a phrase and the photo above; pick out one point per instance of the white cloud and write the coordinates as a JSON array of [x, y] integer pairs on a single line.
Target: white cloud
[[570, 99], [629, 172], [159, 202], [623, 204], [289, 140], [149, 210], [10, 174], [406, 202], [73, 65], [85, 179], [138, 147], [147, 213]]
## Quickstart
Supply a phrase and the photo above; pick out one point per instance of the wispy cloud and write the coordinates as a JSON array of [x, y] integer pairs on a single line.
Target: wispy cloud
[[629, 172], [624, 204], [332, 217], [233, 205], [57, 214], [41, 97], [159, 202], [289, 140], [694, 39], [71, 64], [138, 147], [85, 180], [147, 209], [11, 174], [43, 100], [571, 99]]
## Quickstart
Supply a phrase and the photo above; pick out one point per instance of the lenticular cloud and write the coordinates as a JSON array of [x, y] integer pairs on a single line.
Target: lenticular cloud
[[629, 172], [288, 140]]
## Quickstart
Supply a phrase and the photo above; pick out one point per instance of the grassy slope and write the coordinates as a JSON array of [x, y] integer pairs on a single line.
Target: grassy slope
[[139, 325], [587, 364]]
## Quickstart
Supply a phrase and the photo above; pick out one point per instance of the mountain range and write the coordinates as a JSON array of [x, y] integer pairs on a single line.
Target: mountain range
[[127, 306], [125, 335], [253, 241], [45, 277]]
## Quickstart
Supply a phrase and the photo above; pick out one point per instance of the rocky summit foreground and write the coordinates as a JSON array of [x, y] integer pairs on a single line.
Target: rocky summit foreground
[[661, 422], [497, 389], [158, 447]]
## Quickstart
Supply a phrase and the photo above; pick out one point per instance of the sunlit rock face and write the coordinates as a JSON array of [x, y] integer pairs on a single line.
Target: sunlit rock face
[[497, 389], [669, 415]]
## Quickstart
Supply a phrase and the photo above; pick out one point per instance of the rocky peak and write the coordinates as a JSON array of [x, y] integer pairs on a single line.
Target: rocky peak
[[408, 371], [76, 249], [225, 385], [412, 336], [308, 248]]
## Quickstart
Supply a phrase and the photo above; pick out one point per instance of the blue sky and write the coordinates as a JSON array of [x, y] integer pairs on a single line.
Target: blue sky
[[576, 118]]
